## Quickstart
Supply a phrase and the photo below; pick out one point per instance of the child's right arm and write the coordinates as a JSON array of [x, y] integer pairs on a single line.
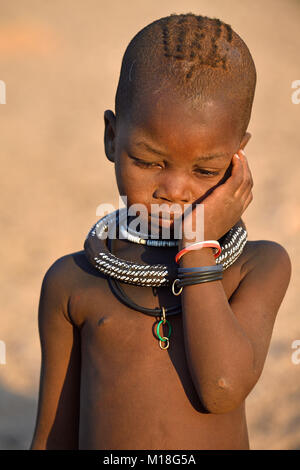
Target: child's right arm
[[59, 395]]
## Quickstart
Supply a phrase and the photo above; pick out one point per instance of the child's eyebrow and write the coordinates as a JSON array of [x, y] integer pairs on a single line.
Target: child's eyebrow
[[210, 157], [151, 149], [163, 154]]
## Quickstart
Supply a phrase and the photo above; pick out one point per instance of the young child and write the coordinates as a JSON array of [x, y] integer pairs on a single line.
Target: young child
[[163, 355]]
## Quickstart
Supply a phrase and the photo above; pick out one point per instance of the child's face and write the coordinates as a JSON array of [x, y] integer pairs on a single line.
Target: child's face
[[195, 150]]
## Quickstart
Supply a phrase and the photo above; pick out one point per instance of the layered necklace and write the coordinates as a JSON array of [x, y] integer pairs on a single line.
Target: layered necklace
[[100, 255]]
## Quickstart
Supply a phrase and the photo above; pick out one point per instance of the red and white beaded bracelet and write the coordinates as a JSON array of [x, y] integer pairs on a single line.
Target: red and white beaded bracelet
[[198, 245]]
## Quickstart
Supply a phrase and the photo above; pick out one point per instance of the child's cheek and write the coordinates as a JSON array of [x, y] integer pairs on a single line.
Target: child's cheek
[[133, 185]]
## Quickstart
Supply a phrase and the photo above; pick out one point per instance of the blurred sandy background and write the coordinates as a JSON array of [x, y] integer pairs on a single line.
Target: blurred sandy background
[[60, 60]]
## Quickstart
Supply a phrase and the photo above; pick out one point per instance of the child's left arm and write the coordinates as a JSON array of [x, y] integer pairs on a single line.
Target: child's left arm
[[226, 342]]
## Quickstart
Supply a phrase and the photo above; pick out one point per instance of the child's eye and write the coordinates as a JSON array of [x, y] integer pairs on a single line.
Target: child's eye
[[207, 172], [143, 164]]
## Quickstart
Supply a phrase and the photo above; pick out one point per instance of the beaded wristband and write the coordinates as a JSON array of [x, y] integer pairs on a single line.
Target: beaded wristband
[[199, 245]]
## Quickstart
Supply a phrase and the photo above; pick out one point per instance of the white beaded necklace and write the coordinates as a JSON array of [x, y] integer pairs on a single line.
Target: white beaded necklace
[[135, 237], [138, 237], [232, 244]]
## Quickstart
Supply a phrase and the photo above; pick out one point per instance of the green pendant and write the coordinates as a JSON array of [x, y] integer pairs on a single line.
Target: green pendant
[[157, 330]]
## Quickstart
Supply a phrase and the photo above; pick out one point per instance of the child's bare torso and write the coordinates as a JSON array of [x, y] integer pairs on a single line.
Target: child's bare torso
[[134, 395]]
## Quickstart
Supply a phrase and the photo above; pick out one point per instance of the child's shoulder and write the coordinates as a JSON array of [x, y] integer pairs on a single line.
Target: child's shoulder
[[266, 254], [70, 267], [66, 277], [265, 276]]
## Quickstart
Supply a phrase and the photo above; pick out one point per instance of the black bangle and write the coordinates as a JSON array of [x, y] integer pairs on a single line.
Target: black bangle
[[213, 268], [199, 272], [198, 281], [195, 275]]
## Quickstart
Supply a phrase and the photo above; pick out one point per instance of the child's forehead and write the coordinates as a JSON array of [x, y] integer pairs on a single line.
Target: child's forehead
[[171, 107], [170, 118]]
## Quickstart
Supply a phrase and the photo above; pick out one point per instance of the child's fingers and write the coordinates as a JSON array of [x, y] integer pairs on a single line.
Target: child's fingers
[[247, 176], [237, 174], [248, 171]]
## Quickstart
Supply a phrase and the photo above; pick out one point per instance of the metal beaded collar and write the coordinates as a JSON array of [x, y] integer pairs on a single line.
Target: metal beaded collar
[[232, 244]]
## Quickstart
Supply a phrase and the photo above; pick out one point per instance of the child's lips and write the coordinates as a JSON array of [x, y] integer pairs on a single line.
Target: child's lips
[[166, 215], [164, 220]]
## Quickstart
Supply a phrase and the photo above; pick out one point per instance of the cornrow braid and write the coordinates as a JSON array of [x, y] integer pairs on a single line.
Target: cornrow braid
[[166, 40], [218, 24], [180, 39], [213, 59], [229, 32]]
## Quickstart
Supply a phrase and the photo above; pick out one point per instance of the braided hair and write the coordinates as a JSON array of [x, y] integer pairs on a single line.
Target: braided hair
[[198, 57]]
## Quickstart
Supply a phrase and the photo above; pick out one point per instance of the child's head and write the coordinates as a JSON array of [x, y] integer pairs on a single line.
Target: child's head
[[186, 89]]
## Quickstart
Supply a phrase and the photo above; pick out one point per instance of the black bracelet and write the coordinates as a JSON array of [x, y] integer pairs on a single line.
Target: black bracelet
[[199, 281], [196, 275], [199, 272], [217, 267]]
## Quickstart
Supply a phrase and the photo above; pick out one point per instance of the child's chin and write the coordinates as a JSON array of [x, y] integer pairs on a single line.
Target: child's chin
[[156, 225]]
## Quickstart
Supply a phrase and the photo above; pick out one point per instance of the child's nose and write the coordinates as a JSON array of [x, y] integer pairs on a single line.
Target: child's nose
[[174, 188]]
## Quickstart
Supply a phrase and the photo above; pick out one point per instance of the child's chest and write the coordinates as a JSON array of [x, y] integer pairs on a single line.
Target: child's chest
[[115, 333]]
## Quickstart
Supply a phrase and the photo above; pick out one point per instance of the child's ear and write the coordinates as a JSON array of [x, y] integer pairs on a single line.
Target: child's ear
[[245, 140], [109, 134]]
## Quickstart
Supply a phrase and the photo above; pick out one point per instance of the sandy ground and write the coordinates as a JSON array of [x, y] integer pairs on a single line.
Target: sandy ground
[[60, 61]]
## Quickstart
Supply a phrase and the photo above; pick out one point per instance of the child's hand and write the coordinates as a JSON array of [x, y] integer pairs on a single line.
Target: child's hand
[[224, 206]]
